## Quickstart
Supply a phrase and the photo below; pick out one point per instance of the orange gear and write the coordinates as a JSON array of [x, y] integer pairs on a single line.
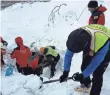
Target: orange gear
[[42, 49]]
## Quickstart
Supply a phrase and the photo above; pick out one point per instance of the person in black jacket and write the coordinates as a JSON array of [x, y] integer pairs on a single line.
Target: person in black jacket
[[97, 57]]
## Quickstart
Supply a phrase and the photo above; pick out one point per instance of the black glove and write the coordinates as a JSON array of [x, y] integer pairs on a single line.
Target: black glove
[[64, 76], [78, 77]]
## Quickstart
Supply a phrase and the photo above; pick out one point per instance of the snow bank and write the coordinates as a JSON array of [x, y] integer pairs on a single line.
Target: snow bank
[[18, 82]]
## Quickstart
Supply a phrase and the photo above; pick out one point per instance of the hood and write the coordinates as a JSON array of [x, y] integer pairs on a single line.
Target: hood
[[102, 9], [19, 41]]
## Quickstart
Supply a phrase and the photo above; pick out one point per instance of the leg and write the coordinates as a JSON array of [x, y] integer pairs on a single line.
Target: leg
[[98, 76], [38, 71], [57, 58], [27, 71], [86, 60], [53, 68], [2, 61], [53, 65]]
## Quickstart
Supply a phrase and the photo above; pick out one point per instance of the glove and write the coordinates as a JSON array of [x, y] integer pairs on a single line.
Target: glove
[[78, 77], [64, 76]]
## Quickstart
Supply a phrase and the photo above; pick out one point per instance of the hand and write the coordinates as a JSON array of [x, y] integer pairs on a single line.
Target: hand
[[78, 77], [64, 76]]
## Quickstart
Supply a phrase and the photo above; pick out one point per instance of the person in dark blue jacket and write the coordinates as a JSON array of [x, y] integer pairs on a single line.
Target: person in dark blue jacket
[[80, 40]]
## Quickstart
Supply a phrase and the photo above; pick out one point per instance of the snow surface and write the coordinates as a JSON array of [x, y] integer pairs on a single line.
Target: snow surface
[[35, 23]]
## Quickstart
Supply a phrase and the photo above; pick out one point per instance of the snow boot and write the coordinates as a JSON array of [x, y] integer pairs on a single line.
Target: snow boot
[[82, 88]]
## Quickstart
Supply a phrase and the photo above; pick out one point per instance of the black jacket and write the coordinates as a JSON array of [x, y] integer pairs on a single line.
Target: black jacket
[[78, 40]]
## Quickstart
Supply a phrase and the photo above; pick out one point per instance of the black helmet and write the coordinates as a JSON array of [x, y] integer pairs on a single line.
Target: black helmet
[[93, 4]]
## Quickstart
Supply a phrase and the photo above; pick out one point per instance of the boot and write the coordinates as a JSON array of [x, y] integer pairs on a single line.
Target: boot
[[83, 88]]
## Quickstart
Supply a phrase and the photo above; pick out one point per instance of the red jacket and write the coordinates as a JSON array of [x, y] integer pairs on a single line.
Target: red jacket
[[34, 63], [21, 53], [98, 16]]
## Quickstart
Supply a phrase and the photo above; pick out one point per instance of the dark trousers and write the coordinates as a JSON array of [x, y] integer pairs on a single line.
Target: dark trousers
[[52, 62], [53, 65], [37, 71], [28, 70], [25, 70], [97, 80], [2, 61]]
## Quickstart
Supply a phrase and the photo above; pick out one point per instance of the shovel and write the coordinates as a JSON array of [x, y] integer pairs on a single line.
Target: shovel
[[56, 80]]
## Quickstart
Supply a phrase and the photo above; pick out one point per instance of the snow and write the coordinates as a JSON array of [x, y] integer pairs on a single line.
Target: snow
[[34, 22], [13, 84]]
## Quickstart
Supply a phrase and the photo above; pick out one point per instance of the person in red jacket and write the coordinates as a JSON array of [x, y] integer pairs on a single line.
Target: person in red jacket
[[35, 63], [3, 45], [97, 16], [26, 61], [21, 53]]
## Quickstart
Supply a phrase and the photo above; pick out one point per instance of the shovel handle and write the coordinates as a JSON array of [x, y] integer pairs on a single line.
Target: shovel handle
[[51, 81]]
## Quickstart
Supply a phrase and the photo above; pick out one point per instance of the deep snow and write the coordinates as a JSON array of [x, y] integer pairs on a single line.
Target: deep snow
[[34, 22]]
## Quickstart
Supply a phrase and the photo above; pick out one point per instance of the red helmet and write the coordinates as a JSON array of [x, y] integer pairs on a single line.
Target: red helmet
[[19, 41]]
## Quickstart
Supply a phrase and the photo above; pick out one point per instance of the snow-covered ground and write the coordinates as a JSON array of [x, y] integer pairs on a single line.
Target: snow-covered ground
[[38, 23]]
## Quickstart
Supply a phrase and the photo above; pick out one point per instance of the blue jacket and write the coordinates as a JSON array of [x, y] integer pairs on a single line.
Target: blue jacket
[[96, 61]]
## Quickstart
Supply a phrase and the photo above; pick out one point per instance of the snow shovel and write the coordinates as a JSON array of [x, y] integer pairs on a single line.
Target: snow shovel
[[56, 80], [51, 81]]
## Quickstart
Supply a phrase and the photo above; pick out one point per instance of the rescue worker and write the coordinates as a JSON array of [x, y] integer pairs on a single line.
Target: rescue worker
[[52, 58], [97, 13], [27, 62], [21, 53], [94, 42]]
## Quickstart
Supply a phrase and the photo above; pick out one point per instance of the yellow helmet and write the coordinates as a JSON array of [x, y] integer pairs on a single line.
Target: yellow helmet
[[42, 49]]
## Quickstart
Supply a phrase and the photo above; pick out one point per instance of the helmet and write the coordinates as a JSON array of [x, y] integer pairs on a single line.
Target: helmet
[[93, 4], [42, 49]]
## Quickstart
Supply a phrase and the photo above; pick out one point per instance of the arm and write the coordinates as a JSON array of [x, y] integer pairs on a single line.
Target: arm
[[67, 65], [13, 54], [29, 52], [96, 61], [67, 60], [45, 51]]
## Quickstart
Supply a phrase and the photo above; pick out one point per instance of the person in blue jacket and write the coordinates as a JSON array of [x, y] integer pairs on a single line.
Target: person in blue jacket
[[83, 39]]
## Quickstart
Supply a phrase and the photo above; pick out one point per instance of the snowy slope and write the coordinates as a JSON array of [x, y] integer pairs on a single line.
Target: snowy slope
[[35, 23]]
